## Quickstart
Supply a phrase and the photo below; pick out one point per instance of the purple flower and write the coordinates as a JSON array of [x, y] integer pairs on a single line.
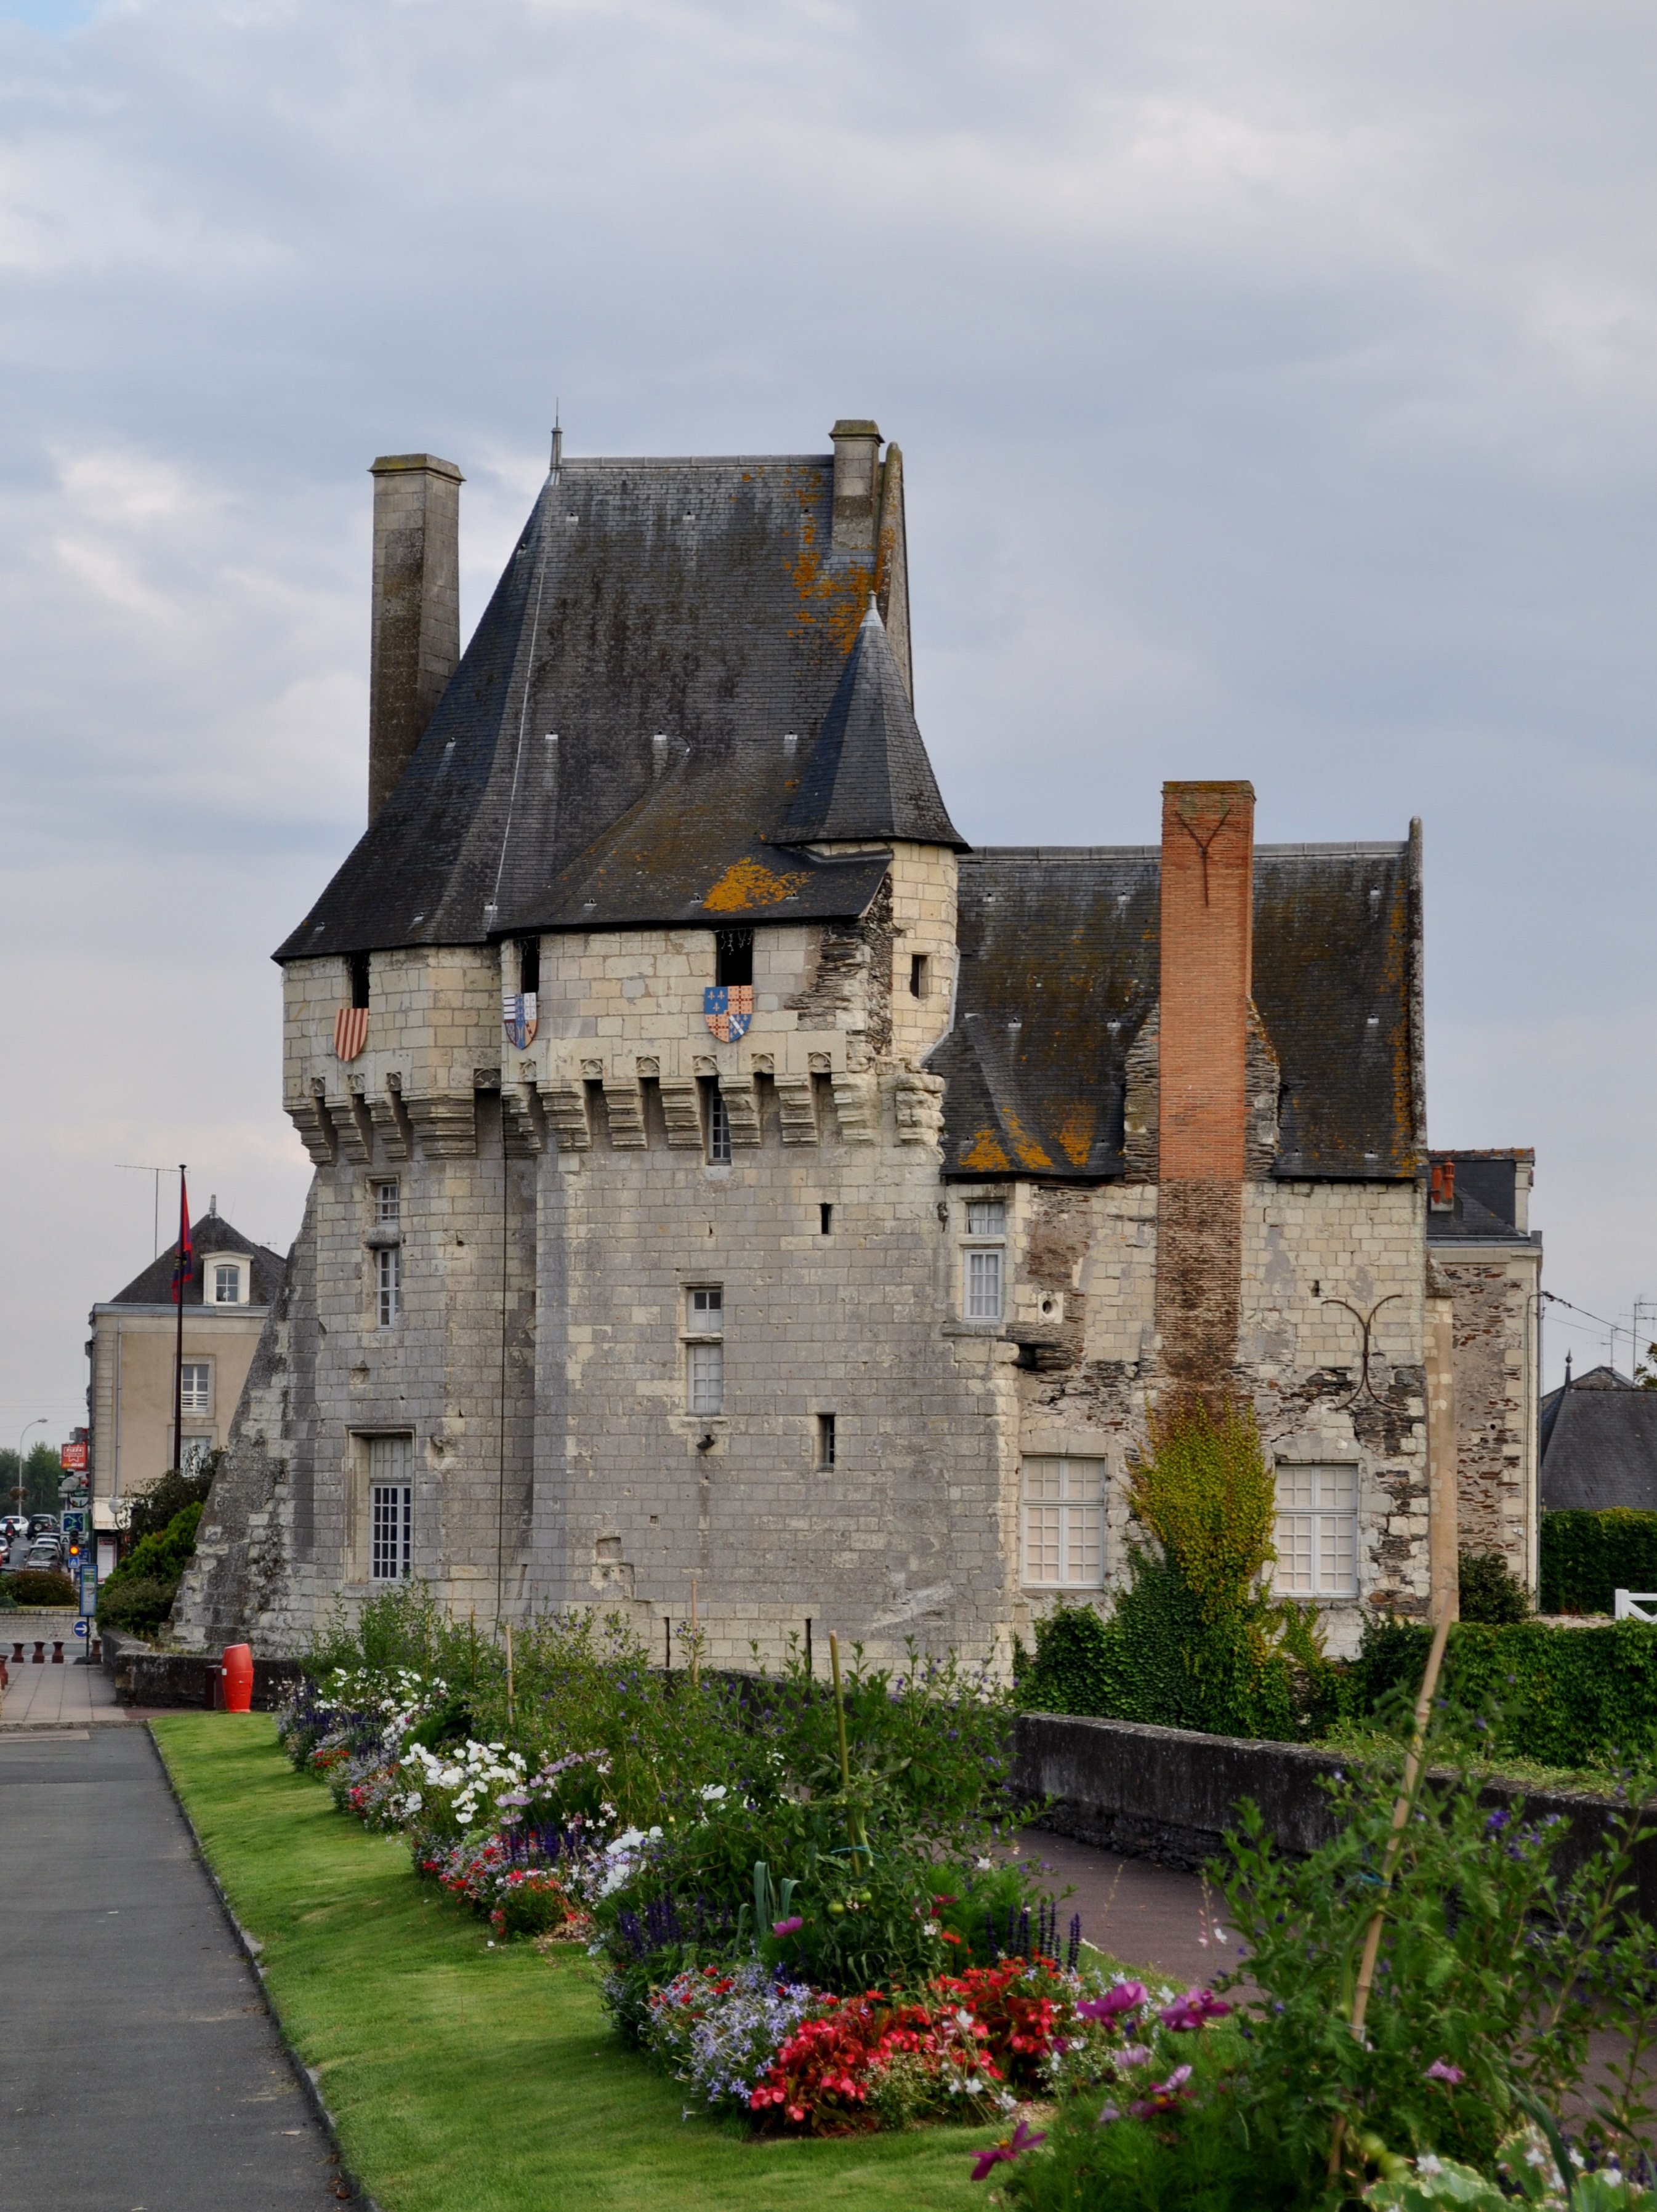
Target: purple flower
[[1441, 2070], [788, 1926], [1195, 2009], [1496, 1823], [1126, 1996], [1021, 2139], [1164, 2095]]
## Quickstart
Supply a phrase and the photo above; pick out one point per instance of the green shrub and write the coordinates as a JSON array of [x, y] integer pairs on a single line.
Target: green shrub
[[1194, 1641], [152, 1509], [1490, 1591], [1586, 1558], [166, 1551], [31, 1586], [1561, 1697], [136, 1605]]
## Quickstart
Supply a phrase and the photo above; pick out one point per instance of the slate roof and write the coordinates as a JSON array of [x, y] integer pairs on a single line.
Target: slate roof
[[1486, 1202], [211, 1233], [1060, 964], [1598, 1436], [696, 602], [868, 774]]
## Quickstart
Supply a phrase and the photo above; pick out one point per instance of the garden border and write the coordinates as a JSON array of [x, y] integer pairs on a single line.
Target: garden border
[[310, 2086], [1170, 1795]]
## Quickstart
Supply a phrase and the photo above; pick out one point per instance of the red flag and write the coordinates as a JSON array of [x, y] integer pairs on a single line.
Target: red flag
[[186, 1264]]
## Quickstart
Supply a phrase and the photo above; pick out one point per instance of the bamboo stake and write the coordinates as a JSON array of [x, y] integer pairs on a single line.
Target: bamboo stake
[[1401, 1812], [696, 1644], [510, 1699]]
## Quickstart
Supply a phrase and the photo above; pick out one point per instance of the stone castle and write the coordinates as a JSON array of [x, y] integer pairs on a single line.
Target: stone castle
[[733, 1192]]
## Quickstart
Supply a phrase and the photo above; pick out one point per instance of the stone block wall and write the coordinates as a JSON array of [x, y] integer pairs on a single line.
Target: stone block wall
[[1495, 1400]]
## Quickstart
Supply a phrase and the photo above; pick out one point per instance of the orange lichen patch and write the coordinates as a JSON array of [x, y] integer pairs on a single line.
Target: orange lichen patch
[[1075, 1132], [1029, 1150], [748, 884], [986, 1153], [838, 600]]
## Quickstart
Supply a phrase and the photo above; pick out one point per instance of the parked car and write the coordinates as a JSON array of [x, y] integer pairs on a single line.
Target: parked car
[[43, 1524], [45, 1558]]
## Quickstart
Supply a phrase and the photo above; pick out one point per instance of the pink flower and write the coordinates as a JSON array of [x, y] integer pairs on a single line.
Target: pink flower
[[1021, 2139], [1126, 1996], [788, 1926], [1195, 2009], [1441, 2070], [1164, 2095]]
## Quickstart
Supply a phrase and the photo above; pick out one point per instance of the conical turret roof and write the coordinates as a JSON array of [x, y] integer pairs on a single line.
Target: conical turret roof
[[868, 775]]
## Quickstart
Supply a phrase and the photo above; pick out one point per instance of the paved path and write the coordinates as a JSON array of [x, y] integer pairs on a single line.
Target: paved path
[[142, 2071], [45, 1696], [1148, 1917]]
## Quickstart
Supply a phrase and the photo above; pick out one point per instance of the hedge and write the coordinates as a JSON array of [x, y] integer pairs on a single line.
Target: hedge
[[1586, 1558], [1563, 1697]]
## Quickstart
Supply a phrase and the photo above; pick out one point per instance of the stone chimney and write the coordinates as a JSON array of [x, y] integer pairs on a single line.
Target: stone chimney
[[1208, 936], [417, 608], [856, 456]]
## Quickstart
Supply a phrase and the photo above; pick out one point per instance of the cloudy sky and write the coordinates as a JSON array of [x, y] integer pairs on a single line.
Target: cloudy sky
[[1277, 386]]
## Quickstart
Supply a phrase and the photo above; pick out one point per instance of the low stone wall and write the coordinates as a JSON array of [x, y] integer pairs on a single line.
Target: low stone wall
[[145, 1676], [29, 1625], [1170, 1795]]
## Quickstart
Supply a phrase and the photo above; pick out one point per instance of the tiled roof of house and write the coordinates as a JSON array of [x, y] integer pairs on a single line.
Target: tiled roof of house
[[1060, 961], [1598, 1444], [614, 746], [211, 1233]]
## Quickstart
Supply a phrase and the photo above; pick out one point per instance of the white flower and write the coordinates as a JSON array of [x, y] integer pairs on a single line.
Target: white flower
[[713, 1793], [1428, 2165], [983, 1865], [930, 1928]]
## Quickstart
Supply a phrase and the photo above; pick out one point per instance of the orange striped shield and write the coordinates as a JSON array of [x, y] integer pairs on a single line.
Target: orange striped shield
[[351, 1031]]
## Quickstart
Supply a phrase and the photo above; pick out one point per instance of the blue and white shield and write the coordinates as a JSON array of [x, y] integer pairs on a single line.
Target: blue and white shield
[[518, 1016], [727, 1008]]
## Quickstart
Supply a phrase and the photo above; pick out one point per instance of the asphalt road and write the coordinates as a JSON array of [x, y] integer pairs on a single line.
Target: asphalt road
[[139, 2069]]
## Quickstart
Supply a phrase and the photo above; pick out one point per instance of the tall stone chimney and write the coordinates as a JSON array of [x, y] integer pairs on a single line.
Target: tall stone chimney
[[417, 608], [857, 455], [1208, 935]]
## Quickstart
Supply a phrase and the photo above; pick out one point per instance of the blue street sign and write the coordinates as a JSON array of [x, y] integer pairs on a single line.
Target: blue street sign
[[89, 1587], [80, 1628]]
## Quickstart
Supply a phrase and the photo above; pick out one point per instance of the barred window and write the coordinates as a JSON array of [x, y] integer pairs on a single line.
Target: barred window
[[196, 1387], [1316, 1532], [388, 1203], [1064, 1524], [389, 1269], [391, 1509]]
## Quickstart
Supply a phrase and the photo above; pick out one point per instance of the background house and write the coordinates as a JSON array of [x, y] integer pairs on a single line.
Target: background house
[[1599, 1443], [131, 1349]]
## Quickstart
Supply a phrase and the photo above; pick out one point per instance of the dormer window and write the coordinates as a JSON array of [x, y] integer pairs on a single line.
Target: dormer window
[[224, 1281]]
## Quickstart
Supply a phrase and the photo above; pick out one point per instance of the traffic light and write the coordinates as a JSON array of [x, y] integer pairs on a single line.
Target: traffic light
[[77, 1547]]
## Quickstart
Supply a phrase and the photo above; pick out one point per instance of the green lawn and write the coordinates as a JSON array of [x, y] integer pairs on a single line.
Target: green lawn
[[470, 2080]]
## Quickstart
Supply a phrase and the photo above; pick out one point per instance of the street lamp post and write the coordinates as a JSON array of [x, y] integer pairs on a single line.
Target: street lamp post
[[40, 1424]]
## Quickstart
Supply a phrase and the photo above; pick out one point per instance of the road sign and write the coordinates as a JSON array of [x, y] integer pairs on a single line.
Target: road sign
[[81, 1628], [74, 1523], [89, 1586]]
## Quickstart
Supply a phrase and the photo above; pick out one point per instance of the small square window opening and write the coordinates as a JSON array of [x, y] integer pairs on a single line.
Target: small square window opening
[[825, 1219], [358, 964], [387, 1204], [826, 1440], [917, 975], [706, 1312], [733, 956], [986, 1217], [388, 1271]]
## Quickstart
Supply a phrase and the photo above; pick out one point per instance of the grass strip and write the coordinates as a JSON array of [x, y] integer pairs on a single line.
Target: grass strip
[[469, 2079]]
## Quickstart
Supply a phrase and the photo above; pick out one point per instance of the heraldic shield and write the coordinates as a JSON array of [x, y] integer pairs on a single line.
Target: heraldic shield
[[727, 1008], [351, 1031], [518, 1017]]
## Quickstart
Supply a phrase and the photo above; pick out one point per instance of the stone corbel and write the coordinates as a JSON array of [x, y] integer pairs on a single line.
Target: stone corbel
[[919, 1102], [798, 1108], [624, 1102], [856, 1108], [353, 1130], [564, 1098], [523, 1125], [446, 1123], [389, 1126], [681, 1108], [310, 1117], [741, 1096]]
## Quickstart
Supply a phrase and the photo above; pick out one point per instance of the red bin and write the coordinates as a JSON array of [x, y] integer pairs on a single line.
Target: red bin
[[238, 1678]]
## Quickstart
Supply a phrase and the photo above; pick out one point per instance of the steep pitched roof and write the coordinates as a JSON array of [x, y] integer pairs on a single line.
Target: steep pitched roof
[[1060, 969], [153, 1286], [868, 774], [615, 732], [1598, 1445]]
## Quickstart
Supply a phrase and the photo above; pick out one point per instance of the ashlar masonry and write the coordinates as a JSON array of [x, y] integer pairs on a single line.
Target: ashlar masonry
[[726, 1178]]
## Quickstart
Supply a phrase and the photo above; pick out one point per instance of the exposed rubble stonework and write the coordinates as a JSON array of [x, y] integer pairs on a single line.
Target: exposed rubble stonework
[[748, 1196]]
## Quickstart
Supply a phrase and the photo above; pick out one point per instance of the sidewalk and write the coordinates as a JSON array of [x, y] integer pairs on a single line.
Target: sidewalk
[[143, 2073], [66, 1697]]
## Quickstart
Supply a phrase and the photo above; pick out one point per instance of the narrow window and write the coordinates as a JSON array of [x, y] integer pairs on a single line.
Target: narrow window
[[387, 1204], [1316, 1532], [705, 1352], [529, 965], [825, 1439], [917, 975], [358, 965], [391, 1509], [733, 956], [984, 1265], [825, 1219], [719, 1130], [1064, 1510], [388, 1270], [196, 1387], [983, 1285], [227, 1283], [986, 1217]]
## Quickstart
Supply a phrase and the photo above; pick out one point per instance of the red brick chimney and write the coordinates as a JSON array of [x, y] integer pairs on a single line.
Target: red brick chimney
[[1208, 930]]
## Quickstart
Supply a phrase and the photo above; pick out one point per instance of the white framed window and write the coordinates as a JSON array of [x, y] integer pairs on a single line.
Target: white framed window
[[1063, 1533], [196, 1387], [391, 1509], [704, 1349], [388, 1203], [719, 1130], [1316, 1532], [983, 1284], [986, 1217], [227, 1284], [389, 1283]]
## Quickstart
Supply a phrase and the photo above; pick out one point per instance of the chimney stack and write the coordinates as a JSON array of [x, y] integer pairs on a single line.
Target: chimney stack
[[857, 455], [1207, 934], [417, 608]]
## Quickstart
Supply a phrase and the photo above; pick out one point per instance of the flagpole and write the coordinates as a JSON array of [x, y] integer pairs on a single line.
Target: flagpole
[[178, 1281]]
